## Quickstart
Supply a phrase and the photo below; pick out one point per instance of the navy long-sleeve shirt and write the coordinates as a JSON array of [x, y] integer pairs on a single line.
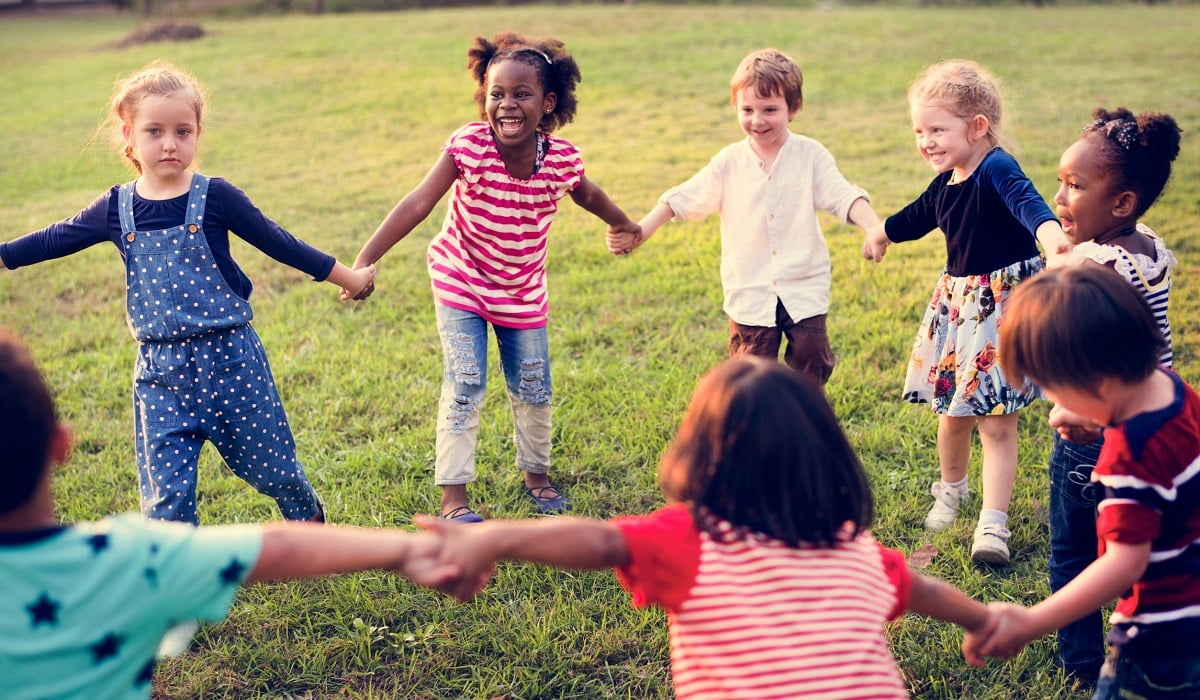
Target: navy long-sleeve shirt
[[990, 219], [227, 209]]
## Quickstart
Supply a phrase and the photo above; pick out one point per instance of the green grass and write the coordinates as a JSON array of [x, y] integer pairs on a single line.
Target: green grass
[[327, 121]]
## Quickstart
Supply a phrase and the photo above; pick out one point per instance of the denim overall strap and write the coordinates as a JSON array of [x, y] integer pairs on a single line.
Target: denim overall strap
[[174, 288]]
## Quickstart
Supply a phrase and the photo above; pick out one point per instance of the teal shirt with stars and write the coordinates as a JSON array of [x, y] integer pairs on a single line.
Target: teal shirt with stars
[[84, 607]]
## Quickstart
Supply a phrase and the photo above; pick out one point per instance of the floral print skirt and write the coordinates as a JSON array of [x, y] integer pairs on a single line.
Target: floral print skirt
[[953, 364]]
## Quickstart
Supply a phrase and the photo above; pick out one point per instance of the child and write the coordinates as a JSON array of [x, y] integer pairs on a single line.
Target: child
[[1107, 180], [85, 605], [990, 214], [201, 371], [775, 268], [763, 548], [1090, 341], [488, 263]]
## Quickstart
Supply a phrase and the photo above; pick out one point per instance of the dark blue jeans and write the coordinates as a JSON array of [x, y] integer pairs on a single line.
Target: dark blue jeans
[[1073, 547], [1128, 676]]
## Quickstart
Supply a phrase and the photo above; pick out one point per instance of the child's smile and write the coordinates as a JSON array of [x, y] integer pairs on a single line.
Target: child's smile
[[516, 102]]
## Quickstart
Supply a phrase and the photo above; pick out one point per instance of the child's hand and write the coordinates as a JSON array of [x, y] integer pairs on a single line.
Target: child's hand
[[365, 287], [463, 550], [1074, 427], [1009, 634], [977, 636], [875, 243], [424, 564], [624, 238]]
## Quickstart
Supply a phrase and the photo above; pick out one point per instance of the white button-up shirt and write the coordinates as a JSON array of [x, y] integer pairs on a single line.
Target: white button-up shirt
[[772, 246]]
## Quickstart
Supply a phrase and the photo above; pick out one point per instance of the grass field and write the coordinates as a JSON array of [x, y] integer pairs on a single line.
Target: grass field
[[327, 121]]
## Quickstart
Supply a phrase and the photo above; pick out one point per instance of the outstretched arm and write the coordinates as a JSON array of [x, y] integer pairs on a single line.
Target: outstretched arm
[[935, 598], [591, 197], [405, 216], [1103, 580], [621, 243], [570, 543], [308, 550]]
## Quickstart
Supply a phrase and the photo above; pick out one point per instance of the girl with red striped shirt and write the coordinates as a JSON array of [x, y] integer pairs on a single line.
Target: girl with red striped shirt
[[772, 584], [488, 263]]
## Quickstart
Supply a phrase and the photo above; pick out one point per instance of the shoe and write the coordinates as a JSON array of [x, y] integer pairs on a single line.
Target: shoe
[[463, 514], [549, 499], [945, 506], [991, 545], [178, 639]]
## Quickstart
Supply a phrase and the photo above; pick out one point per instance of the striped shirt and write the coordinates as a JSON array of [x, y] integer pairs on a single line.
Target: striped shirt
[[751, 617], [490, 256], [1149, 275], [1150, 470]]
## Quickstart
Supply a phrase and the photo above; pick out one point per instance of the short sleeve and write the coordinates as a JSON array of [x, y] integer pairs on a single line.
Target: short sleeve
[[664, 555], [203, 568], [895, 567]]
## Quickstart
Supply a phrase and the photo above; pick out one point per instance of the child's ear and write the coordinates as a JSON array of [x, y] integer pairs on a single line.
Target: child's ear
[[549, 103], [979, 126], [1125, 204], [61, 442], [125, 131]]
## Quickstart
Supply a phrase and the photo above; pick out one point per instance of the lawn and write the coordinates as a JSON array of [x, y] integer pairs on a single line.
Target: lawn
[[327, 121]]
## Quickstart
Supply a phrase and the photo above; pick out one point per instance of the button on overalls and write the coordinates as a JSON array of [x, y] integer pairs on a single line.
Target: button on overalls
[[201, 373]]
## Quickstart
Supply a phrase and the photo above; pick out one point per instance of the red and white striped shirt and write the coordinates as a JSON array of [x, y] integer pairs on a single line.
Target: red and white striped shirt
[[751, 617], [490, 256]]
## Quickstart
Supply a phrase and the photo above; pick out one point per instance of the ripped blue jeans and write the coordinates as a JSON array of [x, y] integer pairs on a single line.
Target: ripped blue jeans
[[525, 359]]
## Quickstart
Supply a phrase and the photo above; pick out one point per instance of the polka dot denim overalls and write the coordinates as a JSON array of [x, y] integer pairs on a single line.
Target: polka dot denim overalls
[[201, 373]]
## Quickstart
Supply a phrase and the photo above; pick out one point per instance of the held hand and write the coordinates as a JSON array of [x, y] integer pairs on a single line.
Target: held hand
[[365, 285], [974, 638], [1074, 427], [424, 564], [461, 551], [1010, 634], [622, 239], [875, 244]]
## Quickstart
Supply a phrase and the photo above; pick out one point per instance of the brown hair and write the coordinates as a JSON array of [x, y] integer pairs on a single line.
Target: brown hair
[[770, 72], [27, 420], [760, 448], [1076, 326]]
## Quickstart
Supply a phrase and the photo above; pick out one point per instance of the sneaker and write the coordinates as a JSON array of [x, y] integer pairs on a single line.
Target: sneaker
[[178, 639], [549, 499], [991, 545], [945, 506], [462, 514]]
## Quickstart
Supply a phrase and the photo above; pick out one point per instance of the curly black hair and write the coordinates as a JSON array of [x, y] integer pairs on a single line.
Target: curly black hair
[[1137, 151], [555, 68]]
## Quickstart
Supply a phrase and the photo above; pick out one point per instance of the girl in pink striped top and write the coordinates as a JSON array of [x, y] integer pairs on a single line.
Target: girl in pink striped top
[[488, 262], [772, 583]]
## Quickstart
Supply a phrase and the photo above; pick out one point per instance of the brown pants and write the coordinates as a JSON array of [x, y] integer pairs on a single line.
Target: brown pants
[[808, 350]]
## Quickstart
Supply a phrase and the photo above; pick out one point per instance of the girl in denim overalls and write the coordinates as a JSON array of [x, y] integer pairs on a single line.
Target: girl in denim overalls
[[201, 372]]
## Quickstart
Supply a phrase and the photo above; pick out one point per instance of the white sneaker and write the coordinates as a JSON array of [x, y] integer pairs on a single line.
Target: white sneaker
[[945, 506], [991, 545], [178, 639]]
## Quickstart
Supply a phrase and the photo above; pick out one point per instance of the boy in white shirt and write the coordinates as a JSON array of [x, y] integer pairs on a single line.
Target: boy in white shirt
[[775, 268]]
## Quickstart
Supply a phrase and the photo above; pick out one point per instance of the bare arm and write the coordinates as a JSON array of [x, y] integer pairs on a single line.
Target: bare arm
[[409, 211], [569, 543], [932, 597], [353, 282], [1102, 581], [306, 550], [591, 197]]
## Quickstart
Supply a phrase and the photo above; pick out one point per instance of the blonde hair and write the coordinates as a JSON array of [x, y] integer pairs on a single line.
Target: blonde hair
[[770, 72], [157, 79], [963, 87]]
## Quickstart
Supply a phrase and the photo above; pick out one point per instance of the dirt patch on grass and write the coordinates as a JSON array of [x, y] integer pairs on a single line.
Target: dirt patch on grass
[[172, 30]]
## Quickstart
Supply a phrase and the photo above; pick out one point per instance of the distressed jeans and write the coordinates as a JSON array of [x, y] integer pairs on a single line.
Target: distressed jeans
[[1073, 547], [525, 359]]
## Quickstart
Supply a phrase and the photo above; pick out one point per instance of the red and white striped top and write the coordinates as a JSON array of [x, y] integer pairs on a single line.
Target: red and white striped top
[[490, 256], [754, 618]]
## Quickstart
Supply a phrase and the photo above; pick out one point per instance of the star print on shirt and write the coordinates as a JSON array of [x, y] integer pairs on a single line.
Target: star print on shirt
[[98, 543], [146, 675], [232, 573], [106, 648], [44, 609], [151, 575]]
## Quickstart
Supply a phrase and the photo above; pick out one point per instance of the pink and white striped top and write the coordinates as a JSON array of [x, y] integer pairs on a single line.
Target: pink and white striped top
[[751, 617], [490, 256]]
